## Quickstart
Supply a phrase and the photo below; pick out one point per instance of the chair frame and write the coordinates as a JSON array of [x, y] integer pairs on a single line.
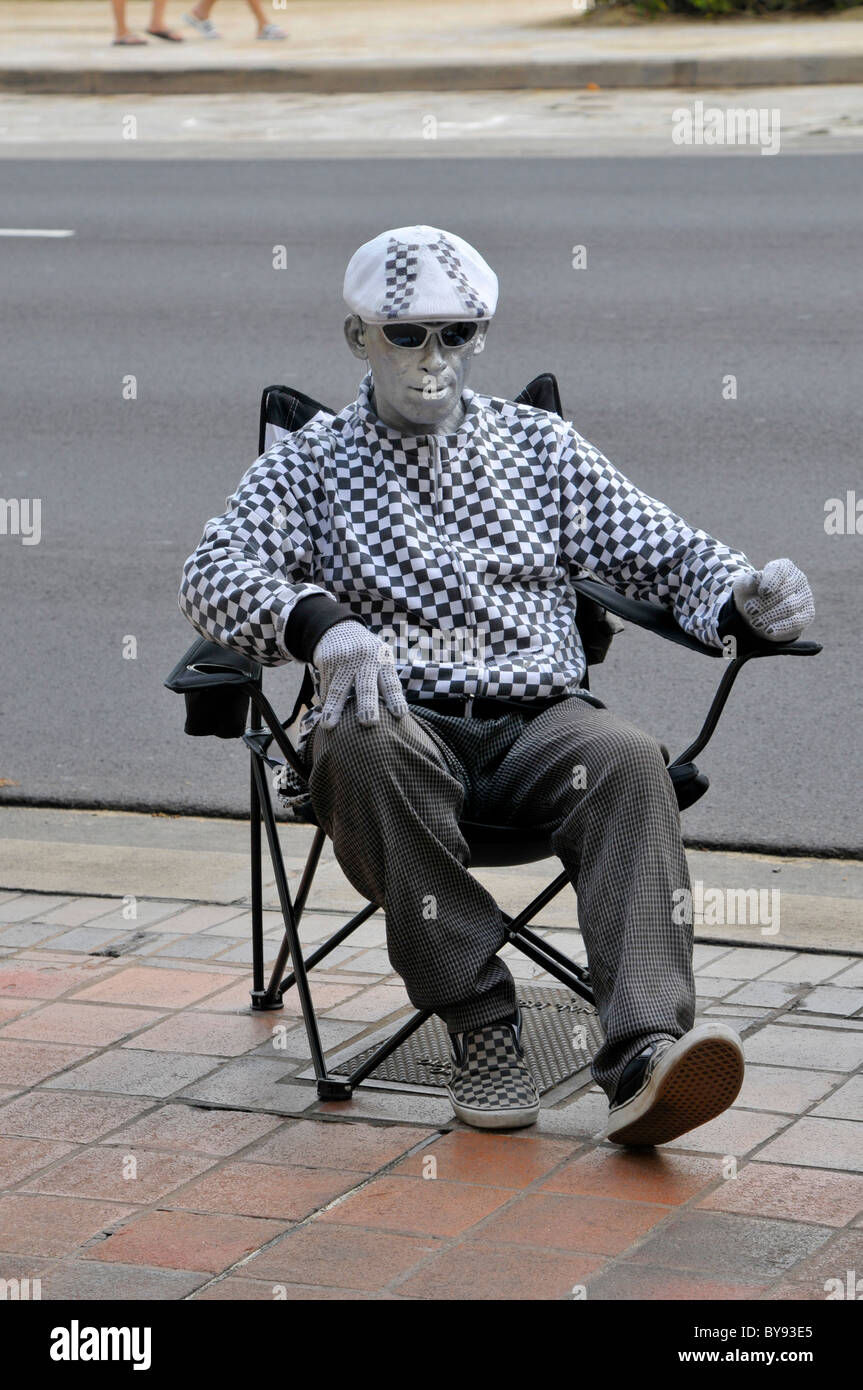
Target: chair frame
[[488, 844]]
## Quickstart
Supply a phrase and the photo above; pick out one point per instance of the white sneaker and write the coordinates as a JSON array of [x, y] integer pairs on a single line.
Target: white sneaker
[[674, 1086], [272, 31], [203, 26]]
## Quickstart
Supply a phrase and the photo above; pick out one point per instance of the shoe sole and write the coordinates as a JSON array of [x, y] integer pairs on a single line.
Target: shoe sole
[[686, 1090], [495, 1119]]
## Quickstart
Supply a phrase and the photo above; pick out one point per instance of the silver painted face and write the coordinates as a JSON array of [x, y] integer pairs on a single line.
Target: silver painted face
[[415, 387]]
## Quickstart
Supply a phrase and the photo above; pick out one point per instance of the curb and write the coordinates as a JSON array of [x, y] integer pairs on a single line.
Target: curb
[[789, 70]]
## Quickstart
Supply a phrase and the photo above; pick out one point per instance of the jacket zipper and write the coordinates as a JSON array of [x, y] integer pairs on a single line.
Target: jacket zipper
[[435, 449]]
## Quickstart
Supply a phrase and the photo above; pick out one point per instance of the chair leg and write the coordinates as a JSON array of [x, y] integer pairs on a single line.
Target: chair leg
[[287, 907]]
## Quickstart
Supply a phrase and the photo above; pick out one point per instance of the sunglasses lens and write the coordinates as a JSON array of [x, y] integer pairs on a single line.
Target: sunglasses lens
[[457, 334], [405, 335]]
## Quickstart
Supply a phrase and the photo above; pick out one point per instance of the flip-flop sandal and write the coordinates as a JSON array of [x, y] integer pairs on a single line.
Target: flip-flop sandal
[[129, 41], [166, 34]]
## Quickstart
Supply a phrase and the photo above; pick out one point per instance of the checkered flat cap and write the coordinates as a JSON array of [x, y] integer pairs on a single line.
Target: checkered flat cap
[[419, 273]]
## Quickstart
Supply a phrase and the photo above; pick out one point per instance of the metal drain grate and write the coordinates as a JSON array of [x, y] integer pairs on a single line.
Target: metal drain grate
[[561, 1033]]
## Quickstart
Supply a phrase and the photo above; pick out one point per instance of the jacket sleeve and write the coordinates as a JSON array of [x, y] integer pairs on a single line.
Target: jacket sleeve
[[248, 586], [639, 546]]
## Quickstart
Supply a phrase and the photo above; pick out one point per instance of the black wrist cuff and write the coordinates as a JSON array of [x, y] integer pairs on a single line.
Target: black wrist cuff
[[733, 624], [310, 618]]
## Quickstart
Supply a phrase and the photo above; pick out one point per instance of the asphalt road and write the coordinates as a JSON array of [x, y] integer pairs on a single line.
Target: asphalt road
[[695, 269]]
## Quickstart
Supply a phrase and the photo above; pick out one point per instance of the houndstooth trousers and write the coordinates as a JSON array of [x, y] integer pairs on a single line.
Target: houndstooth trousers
[[391, 795]]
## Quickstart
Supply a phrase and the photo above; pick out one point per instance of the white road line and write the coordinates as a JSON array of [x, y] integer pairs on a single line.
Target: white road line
[[31, 231]]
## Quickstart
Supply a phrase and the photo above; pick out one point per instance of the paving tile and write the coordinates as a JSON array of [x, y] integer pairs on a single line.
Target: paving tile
[[21, 1157], [473, 1271], [417, 1207], [372, 1004], [831, 999], [334, 1034], [819, 1143], [142, 984], [734, 1132], [98, 1024], [666, 1179], [28, 934], [88, 1280], [390, 1105], [339, 1256], [729, 1247], [185, 1240], [772, 994], [372, 962], [358, 1148], [78, 912], [851, 977], [800, 1019], [633, 1283], [794, 1194], [248, 1290], [804, 1047], [81, 1118], [242, 953], [200, 917], [89, 940], [29, 905], [14, 1008], [119, 1174], [236, 997], [186, 1130], [843, 1256], [844, 1104], [710, 987], [28, 1063], [154, 1074], [786, 1090], [53, 1225], [45, 979], [147, 912], [187, 947], [702, 953], [215, 1035], [809, 968], [492, 1160], [746, 962], [264, 1189], [594, 1225], [585, 1117], [254, 1084]]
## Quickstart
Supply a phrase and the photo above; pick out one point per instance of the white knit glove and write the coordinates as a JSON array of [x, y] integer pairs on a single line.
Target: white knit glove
[[350, 655], [776, 601]]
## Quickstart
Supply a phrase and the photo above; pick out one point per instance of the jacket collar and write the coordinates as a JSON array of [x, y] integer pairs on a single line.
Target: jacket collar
[[362, 412]]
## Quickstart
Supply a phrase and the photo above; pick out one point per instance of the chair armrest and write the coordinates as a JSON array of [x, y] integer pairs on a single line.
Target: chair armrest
[[655, 618]]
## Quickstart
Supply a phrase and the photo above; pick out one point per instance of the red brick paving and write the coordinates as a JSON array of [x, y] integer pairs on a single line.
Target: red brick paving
[[796, 1194], [53, 1225], [418, 1206], [487, 1159], [491, 1272], [260, 1189], [593, 1225], [340, 1257], [651, 1176], [185, 1240], [466, 1215]]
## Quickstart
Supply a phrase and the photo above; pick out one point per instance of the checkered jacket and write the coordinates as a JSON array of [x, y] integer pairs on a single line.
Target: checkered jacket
[[458, 550]]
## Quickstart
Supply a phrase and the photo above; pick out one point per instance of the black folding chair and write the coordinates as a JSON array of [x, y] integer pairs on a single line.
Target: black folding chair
[[220, 685]]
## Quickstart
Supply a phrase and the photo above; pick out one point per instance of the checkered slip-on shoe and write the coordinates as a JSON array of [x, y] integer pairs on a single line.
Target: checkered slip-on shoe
[[672, 1087], [490, 1085]]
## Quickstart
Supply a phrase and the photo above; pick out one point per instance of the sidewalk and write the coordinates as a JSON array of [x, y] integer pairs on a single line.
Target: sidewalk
[[339, 46], [140, 1097]]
